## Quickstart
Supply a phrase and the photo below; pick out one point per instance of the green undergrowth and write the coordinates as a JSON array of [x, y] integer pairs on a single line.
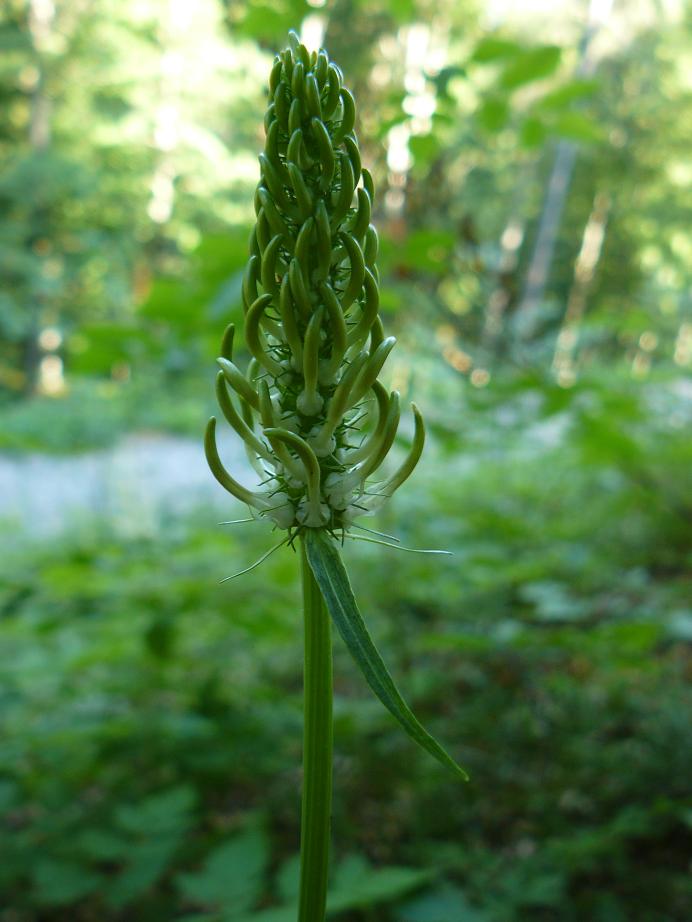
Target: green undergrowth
[[151, 716]]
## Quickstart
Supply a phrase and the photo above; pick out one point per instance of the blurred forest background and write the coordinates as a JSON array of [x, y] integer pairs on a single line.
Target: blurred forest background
[[532, 165]]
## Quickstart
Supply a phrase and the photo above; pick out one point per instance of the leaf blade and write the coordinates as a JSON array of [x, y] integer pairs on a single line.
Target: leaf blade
[[332, 578]]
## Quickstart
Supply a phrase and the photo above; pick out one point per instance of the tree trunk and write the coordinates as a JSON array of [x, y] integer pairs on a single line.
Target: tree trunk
[[41, 17], [560, 179]]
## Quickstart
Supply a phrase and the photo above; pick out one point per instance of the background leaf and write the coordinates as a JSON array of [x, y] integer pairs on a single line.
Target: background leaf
[[533, 64], [232, 874]]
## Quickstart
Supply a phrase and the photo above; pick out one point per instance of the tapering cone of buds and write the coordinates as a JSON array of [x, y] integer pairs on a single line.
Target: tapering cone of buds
[[315, 420]]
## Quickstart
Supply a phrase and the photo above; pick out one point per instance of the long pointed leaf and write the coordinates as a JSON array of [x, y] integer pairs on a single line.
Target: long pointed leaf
[[333, 581]]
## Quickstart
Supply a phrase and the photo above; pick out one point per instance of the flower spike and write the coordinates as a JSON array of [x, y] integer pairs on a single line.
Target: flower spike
[[314, 418], [312, 326]]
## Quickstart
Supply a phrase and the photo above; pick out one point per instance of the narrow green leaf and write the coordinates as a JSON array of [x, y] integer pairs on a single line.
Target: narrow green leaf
[[333, 581]]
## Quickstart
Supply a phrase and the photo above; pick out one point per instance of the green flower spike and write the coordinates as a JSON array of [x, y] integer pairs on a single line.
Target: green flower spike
[[316, 422], [311, 297]]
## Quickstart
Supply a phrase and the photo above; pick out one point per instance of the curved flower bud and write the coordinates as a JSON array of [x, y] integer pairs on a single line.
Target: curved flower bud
[[219, 471]]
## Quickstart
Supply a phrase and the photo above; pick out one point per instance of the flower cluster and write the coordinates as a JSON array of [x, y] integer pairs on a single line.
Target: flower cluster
[[315, 420]]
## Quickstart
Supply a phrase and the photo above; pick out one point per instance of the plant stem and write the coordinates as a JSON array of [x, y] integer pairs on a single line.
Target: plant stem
[[317, 751]]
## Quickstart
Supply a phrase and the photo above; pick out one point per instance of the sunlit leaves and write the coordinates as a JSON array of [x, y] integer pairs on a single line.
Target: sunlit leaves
[[514, 67], [576, 126], [572, 91], [424, 149], [264, 21], [529, 65], [492, 48], [493, 113]]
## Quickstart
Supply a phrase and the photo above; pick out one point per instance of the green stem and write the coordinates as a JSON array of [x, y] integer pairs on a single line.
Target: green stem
[[317, 751]]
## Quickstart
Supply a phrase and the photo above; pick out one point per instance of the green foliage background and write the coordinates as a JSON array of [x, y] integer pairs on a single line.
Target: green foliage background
[[150, 716]]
